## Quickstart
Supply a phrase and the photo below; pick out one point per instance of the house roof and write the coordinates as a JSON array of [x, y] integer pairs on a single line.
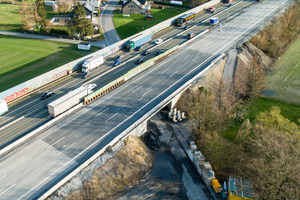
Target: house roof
[[139, 3]]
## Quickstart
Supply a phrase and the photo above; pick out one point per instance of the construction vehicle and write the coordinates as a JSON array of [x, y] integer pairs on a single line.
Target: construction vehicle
[[216, 185]]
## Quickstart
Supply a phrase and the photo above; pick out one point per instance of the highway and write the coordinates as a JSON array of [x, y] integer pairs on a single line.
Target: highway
[[32, 112], [33, 167]]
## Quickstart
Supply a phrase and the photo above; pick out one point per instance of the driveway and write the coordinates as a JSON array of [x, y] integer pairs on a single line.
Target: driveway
[[106, 21]]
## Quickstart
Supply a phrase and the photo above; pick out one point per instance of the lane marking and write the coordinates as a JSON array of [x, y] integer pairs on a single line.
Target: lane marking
[[3, 177], [55, 142], [7, 189], [101, 112], [164, 70], [173, 73], [136, 89], [66, 148], [146, 92], [112, 116]]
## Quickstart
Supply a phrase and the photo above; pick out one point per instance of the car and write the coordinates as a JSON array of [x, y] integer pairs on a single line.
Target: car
[[211, 9], [86, 75], [117, 62], [186, 27], [138, 48], [46, 95], [145, 53], [229, 5], [90, 86], [140, 60], [160, 52], [158, 41], [120, 57]]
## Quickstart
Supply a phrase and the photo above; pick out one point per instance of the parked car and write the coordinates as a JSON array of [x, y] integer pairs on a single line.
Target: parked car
[[117, 62], [46, 95], [86, 75], [139, 47], [140, 60], [146, 53], [158, 41], [120, 57], [160, 52]]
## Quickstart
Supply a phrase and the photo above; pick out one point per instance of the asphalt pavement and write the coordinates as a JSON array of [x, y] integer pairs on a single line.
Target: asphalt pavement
[[74, 139]]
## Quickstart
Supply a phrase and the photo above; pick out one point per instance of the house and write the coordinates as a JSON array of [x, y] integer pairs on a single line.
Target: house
[[136, 7], [93, 4]]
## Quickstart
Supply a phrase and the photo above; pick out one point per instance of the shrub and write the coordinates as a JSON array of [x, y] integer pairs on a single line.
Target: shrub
[[58, 31]]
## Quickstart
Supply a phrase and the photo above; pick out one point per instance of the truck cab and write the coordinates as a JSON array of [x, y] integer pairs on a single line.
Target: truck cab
[[191, 35]]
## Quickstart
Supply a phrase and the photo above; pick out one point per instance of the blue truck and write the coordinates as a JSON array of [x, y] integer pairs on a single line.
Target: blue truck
[[213, 21], [137, 41]]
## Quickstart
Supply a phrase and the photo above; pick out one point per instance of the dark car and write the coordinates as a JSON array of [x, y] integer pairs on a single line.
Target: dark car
[[229, 5], [146, 53], [86, 75], [46, 95], [138, 48], [140, 60], [186, 27], [117, 62], [160, 52]]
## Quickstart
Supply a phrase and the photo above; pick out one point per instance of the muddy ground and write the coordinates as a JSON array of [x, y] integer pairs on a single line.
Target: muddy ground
[[173, 175]]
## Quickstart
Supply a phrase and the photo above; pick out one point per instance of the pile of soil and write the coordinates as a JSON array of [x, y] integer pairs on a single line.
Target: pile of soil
[[129, 165]]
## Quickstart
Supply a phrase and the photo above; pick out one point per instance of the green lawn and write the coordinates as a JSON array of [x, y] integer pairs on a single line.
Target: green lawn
[[285, 78], [127, 26], [9, 17], [22, 58], [289, 111]]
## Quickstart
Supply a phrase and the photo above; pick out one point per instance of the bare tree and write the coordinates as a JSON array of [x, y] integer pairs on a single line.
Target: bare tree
[[28, 14], [65, 5]]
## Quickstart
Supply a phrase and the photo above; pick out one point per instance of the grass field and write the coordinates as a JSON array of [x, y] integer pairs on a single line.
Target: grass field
[[262, 104], [284, 80], [127, 26], [9, 17], [22, 58]]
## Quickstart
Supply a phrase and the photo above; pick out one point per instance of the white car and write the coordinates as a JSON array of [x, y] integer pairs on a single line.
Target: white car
[[158, 41]]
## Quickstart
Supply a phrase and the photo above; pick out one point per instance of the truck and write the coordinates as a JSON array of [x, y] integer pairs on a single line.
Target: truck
[[3, 107], [213, 21], [67, 101], [184, 18], [137, 41], [92, 63]]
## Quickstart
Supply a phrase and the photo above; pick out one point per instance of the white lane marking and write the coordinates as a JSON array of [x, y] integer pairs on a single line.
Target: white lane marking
[[111, 116], [101, 112], [173, 73], [186, 57], [7, 189], [195, 59], [3, 177], [146, 92], [55, 142], [66, 148], [136, 89], [136, 80], [164, 71]]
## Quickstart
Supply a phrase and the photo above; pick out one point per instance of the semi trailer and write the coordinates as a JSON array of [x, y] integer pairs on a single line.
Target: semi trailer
[[67, 101], [137, 41], [92, 63]]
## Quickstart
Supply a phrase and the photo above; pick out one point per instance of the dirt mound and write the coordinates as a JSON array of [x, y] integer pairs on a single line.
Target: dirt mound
[[124, 169]]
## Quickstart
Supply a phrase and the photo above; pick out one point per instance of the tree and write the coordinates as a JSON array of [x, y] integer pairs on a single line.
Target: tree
[[40, 8], [65, 5], [274, 152], [28, 14], [83, 25]]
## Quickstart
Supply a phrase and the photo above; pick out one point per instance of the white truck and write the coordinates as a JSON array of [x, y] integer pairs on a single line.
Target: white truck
[[3, 107], [68, 101], [92, 63]]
